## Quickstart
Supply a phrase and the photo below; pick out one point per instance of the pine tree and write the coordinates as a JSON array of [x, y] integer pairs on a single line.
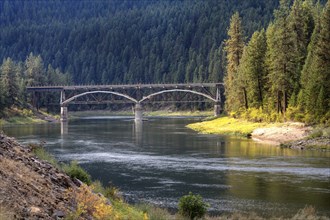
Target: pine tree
[[282, 59], [254, 67], [316, 73], [234, 49], [35, 71], [9, 82]]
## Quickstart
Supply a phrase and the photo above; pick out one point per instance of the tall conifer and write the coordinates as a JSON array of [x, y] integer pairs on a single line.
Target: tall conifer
[[282, 60], [234, 49]]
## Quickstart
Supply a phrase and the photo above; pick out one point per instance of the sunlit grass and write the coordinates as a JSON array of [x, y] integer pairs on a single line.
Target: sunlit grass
[[227, 125]]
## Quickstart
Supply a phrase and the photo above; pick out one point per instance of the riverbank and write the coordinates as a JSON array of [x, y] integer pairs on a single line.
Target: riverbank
[[34, 188], [25, 116], [289, 134], [158, 113]]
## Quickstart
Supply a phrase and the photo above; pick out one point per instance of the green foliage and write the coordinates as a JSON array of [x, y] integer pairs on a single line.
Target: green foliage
[[41, 153], [192, 206], [155, 213], [110, 191], [127, 41], [9, 84], [76, 171], [234, 48]]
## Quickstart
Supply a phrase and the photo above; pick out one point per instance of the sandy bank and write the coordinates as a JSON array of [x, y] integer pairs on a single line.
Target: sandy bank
[[290, 131]]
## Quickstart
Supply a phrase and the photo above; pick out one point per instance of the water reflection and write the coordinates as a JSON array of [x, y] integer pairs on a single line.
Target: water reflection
[[138, 133], [64, 128]]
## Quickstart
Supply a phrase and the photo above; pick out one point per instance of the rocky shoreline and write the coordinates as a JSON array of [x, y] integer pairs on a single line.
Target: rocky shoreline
[[31, 188], [319, 143], [292, 135]]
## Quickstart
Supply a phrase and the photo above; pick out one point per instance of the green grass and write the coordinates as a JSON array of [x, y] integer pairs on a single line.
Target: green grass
[[75, 171], [23, 120], [227, 125], [42, 154], [18, 116], [156, 213]]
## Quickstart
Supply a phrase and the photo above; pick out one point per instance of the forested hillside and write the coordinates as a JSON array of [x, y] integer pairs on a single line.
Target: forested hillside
[[127, 41], [273, 56]]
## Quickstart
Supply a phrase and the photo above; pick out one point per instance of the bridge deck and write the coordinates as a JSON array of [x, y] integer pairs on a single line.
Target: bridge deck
[[127, 86]]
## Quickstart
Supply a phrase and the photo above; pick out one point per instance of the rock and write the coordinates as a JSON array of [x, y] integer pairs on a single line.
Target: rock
[[34, 209], [58, 214]]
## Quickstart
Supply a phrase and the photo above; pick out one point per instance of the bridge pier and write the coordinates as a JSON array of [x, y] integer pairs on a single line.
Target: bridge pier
[[138, 112], [217, 109], [64, 113]]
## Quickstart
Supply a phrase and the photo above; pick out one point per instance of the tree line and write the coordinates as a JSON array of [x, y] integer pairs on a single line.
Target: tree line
[[284, 68], [15, 76]]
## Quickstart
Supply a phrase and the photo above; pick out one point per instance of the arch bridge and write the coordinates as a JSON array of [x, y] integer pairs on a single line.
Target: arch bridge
[[137, 94]]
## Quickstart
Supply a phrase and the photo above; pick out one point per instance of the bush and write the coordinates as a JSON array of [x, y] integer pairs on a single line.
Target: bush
[[110, 191], [40, 151], [75, 171], [155, 213], [192, 206]]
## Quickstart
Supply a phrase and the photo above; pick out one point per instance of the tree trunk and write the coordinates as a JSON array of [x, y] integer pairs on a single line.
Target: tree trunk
[[245, 99], [285, 101]]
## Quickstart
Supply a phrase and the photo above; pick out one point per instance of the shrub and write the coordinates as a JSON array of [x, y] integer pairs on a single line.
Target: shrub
[[192, 206], [89, 204], [76, 171], [40, 151], [110, 191], [155, 213]]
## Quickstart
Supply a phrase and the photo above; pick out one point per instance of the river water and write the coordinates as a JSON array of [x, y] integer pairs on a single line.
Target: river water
[[161, 160]]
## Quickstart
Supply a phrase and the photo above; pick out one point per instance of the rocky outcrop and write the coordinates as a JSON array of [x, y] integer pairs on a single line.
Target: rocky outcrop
[[29, 187]]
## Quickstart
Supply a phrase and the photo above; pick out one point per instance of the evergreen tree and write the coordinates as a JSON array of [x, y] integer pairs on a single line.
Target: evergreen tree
[[34, 71], [9, 82], [234, 49], [316, 73], [254, 68], [282, 57]]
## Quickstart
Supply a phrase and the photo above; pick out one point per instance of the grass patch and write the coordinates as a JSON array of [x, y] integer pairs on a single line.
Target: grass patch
[[156, 213], [41, 153], [227, 125], [75, 171], [23, 120], [110, 191]]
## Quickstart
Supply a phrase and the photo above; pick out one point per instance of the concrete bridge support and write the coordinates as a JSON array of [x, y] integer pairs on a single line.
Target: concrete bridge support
[[64, 113], [217, 109], [217, 105], [138, 112]]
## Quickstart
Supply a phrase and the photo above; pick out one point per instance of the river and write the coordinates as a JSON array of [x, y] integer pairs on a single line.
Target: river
[[161, 160]]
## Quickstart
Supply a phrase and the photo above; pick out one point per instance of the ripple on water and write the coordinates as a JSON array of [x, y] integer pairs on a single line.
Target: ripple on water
[[138, 161]]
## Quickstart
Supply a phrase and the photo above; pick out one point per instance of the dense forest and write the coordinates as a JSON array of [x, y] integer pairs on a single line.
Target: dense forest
[[101, 42], [284, 69], [273, 57]]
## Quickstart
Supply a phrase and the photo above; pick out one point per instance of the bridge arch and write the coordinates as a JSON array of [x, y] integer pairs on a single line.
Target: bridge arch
[[67, 101], [177, 90]]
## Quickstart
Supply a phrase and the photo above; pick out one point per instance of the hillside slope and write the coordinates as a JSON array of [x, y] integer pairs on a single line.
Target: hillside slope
[[30, 188]]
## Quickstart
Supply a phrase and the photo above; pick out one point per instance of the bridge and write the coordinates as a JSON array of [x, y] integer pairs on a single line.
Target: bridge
[[137, 94]]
